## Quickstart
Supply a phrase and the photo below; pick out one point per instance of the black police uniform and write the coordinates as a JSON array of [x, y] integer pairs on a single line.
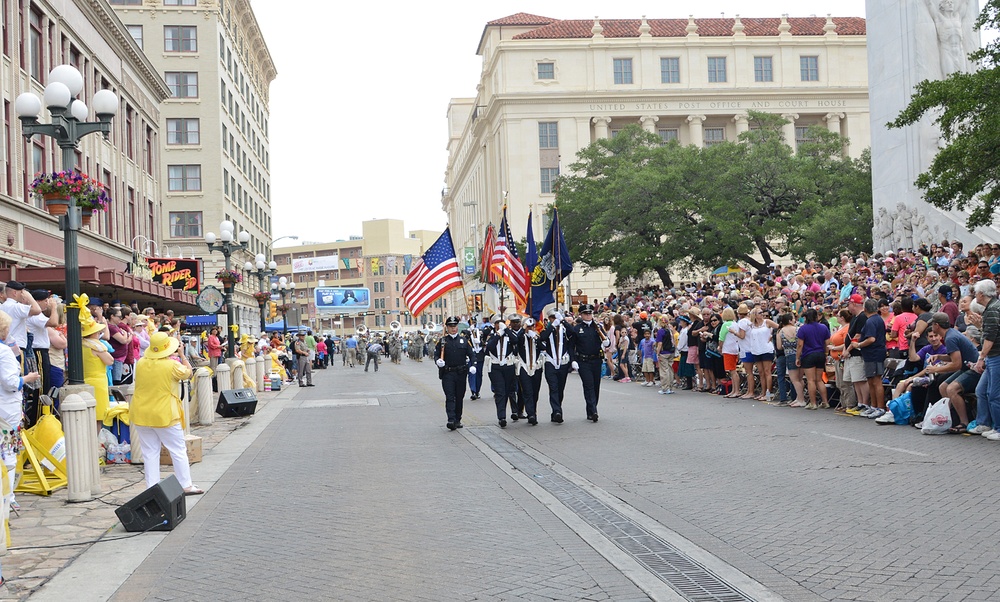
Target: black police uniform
[[458, 356], [476, 380], [589, 357], [530, 368], [503, 376], [517, 410], [558, 341]]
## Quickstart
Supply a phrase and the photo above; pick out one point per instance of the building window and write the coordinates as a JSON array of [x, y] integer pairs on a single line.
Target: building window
[[716, 69], [180, 2], [184, 178], [762, 69], [182, 84], [180, 38], [809, 68], [185, 224], [35, 44], [714, 136], [548, 134], [549, 175], [670, 70], [667, 135], [183, 131], [546, 70], [136, 32], [802, 135], [623, 71]]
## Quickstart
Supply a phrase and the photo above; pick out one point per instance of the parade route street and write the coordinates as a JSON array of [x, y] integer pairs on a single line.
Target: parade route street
[[356, 491]]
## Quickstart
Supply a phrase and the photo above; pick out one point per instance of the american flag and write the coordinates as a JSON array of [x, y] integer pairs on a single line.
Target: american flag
[[433, 275], [507, 266]]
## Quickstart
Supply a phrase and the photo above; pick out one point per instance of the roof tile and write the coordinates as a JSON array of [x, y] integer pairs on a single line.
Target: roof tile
[[673, 28], [522, 19]]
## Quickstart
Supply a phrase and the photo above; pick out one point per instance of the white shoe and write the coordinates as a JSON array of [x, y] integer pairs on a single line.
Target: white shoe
[[886, 418], [979, 430], [994, 436], [988, 433]]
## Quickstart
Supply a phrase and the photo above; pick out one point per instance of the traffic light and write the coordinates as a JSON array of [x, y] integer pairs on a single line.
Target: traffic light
[[560, 295], [272, 309], [477, 302]]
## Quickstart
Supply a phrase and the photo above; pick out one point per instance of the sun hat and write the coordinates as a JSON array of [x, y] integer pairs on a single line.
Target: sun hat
[[161, 345]]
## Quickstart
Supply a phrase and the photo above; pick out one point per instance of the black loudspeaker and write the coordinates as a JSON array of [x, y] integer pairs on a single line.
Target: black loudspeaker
[[236, 402], [159, 508]]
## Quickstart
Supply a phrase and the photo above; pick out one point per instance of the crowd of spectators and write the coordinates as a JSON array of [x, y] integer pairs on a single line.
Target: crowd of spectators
[[850, 334]]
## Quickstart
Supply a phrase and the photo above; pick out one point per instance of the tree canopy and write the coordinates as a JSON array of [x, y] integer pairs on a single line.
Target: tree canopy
[[636, 205], [964, 174]]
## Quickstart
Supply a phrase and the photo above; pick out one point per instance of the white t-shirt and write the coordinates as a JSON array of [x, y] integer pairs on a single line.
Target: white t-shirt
[[731, 345], [760, 340], [38, 329], [18, 313], [744, 326]]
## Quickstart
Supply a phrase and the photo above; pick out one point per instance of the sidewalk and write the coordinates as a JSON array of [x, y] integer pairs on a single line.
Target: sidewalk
[[52, 521]]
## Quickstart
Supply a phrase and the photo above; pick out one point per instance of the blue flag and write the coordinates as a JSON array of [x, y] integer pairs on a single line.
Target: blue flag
[[541, 290], [555, 261]]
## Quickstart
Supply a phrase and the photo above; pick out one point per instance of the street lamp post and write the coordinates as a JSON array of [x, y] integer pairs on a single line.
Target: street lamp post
[[262, 270], [68, 125], [226, 246], [283, 287]]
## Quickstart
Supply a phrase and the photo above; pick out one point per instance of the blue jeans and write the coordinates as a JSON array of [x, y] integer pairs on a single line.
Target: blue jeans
[[116, 371], [988, 393], [785, 392]]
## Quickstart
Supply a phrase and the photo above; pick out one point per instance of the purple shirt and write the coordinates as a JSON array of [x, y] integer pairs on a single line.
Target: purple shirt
[[813, 336]]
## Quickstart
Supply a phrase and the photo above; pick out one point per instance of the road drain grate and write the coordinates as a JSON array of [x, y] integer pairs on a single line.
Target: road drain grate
[[683, 574]]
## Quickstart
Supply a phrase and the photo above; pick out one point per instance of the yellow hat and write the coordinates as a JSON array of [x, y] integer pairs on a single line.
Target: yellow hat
[[161, 345], [88, 325]]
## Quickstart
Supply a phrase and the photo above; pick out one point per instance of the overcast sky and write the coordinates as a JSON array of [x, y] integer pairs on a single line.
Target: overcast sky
[[358, 129]]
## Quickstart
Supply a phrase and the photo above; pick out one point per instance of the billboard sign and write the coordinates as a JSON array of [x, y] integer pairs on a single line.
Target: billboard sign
[[315, 264], [330, 299], [176, 273]]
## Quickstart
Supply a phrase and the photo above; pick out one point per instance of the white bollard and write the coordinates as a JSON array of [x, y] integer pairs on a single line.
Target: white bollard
[[76, 429], [203, 386], [251, 367], [95, 450], [134, 444], [263, 363], [238, 369]]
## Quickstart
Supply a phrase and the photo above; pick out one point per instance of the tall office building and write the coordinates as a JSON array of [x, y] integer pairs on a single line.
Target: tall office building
[[216, 156]]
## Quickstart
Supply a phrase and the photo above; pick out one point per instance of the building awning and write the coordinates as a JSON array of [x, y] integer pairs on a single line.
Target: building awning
[[107, 285]]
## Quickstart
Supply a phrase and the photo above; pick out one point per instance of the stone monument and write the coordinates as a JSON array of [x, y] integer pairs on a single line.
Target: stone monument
[[910, 41]]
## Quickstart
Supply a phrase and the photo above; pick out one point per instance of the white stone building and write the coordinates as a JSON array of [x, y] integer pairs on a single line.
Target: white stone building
[[551, 87]]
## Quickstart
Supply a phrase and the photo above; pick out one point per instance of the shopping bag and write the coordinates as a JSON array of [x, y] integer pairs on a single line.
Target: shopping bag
[[901, 408], [937, 419]]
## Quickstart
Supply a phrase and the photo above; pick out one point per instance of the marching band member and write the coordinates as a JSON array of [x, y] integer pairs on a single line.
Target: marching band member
[[529, 368], [477, 338], [558, 341], [589, 344], [454, 359], [502, 352], [517, 410]]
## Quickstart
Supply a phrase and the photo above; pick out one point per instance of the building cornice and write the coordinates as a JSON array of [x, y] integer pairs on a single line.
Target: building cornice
[[106, 21], [247, 21]]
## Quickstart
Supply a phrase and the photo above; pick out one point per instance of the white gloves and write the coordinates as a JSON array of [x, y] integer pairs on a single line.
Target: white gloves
[[440, 363], [472, 369], [575, 366], [559, 316], [606, 343], [501, 327], [557, 321], [531, 334]]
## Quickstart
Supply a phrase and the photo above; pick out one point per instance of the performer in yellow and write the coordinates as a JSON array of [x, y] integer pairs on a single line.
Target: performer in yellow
[[156, 411], [247, 343], [276, 365], [96, 357]]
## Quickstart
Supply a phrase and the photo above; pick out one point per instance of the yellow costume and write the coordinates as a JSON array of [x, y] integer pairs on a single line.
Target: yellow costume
[[95, 371], [156, 402], [277, 366]]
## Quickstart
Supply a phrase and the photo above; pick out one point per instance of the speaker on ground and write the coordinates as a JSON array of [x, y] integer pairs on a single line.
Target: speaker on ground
[[159, 508], [236, 402]]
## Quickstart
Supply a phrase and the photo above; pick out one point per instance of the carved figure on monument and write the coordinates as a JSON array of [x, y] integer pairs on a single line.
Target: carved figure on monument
[[883, 231], [949, 17], [921, 231], [904, 225]]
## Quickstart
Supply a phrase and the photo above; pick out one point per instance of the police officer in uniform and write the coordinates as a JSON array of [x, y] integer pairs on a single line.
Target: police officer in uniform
[[454, 357], [502, 352], [589, 345], [479, 334], [517, 411], [530, 360], [557, 339]]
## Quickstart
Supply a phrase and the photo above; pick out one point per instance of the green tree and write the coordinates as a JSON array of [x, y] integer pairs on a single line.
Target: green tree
[[965, 174]]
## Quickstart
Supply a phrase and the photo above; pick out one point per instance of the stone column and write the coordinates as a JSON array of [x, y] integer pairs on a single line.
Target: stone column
[[833, 121], [649, 123], [263, 364], [203, 384], [94, 455], [76, 426], [742, 124], [694, 130], [788, 130], [238, 370], [601, 127]]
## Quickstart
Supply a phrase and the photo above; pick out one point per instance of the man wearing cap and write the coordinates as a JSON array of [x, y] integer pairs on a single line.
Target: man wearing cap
[[454, 358], [517, 410], [588, 344], [19, 305], [479, 334], [502, 351], [854, 365], [529, 371], [156, 411], [301, 352], [559, 352]]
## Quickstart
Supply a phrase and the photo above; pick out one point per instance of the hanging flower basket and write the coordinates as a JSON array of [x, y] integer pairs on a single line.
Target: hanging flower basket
[[87, 214], [58, 188], [284, 308], [229, 277], [262, 297]]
